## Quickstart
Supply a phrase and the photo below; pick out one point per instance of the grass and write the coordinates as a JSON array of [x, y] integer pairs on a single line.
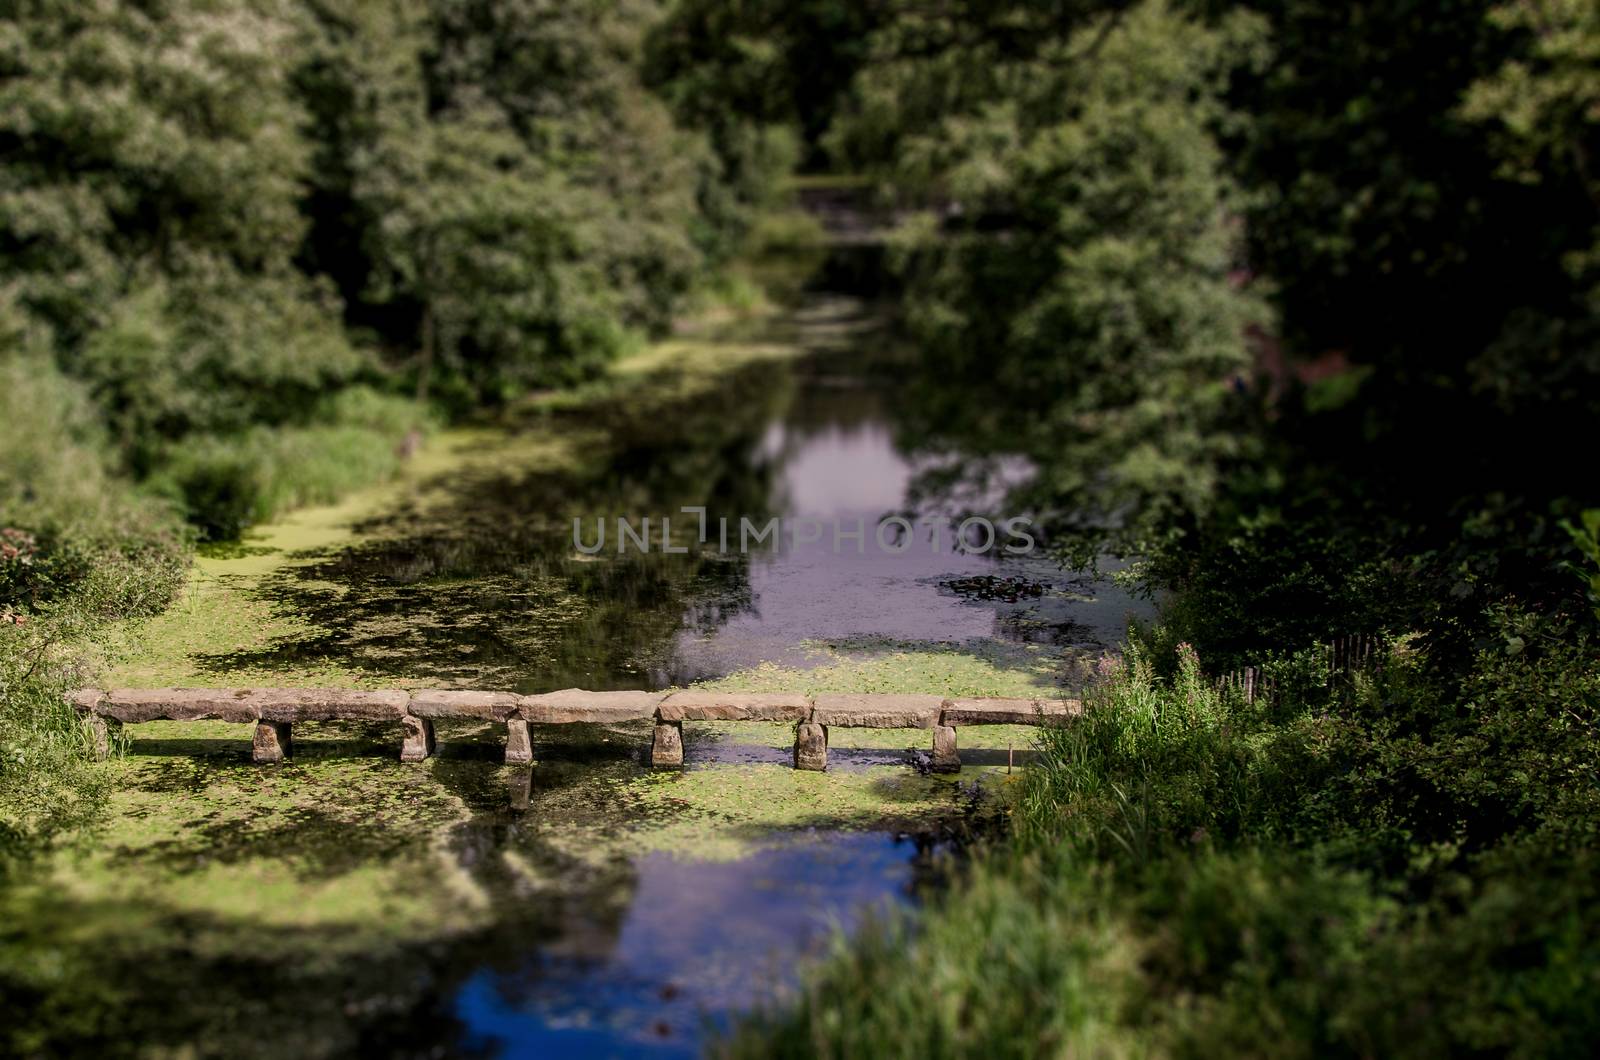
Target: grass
[[92, 552], [1188, 874], [229, 483]]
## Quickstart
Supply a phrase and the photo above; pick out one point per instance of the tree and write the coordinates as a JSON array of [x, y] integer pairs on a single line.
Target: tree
[[149, 212], [496, 187], [1072, 261]]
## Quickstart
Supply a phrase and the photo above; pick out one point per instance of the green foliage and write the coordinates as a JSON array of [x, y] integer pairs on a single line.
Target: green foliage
[[151, 198], [1362, 869], [169, 363], [64, 511], [48, 785], [213, 213], [761, 64], [494, 185], [79, 549], [228, 482], [1586, 536], [1420, 202], [1072, 263], [1024, 963], [1544, 100]]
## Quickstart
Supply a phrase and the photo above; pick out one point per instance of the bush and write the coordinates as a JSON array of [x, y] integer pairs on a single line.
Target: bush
[[79, 549], [227, 483], [1026, 961], [47, 784], [1397, 863], [62, 509]]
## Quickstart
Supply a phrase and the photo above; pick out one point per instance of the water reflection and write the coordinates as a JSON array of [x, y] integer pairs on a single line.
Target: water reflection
[[479, 583], [700, 941], [593, 948]]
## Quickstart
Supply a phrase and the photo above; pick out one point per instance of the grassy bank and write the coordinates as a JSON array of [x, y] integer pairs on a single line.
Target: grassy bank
[[99, 575], [1394, 863]]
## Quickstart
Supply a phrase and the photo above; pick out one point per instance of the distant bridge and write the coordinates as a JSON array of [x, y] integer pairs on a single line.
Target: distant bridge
[[275, 710]]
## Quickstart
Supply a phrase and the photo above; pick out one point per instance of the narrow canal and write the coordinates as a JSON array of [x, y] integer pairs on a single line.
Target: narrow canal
[[587, 906]]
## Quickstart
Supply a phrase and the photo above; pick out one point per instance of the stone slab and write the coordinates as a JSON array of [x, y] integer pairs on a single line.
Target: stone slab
[[133, 705], [325, 704], [86, 699], [698, 705], [450, 703], [571, 705], [1008, 711], [877, 711]]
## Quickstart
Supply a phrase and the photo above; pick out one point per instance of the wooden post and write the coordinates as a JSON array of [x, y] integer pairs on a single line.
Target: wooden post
[[419, 742], [519, 745], [667, 747], [273, 742], [946, 759], [811, 746]]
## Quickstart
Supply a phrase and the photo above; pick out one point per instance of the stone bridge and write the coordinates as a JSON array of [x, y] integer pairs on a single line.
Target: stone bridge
[[275, 710]]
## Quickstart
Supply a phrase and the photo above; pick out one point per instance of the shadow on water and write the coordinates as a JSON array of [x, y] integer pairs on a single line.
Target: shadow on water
[[675, 948], [699, 942], [587, 949], [591, 949], [476, 580]]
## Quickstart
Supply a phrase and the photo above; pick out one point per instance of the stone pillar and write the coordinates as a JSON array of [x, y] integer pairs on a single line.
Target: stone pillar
[[811, 746], [102, 731], [273, 742], [667, 748], [946, 759], [419, 739], [519, 745]]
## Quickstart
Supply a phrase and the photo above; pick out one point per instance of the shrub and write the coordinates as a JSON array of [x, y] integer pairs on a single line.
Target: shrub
[[227, 483], [1400, 863]]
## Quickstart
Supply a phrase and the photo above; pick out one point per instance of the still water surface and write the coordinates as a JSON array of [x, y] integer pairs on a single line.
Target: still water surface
[[702, 940], [479, 585], [484, 588]]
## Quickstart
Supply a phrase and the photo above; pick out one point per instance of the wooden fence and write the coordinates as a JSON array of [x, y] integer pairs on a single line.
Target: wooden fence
[[1343, 656]]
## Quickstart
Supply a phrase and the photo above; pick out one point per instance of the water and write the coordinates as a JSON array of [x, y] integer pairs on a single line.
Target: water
[[478, 584], [700, 941], [596, 948]]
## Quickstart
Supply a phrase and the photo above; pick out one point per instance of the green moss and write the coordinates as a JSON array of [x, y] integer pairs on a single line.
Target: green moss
[[348, 866], [975, 668], [223, 612]]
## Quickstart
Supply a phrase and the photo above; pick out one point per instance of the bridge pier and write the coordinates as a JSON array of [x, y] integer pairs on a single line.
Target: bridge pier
[[101, 731], [811, 746], [667, 747], [946, 759], [274, 742], [519, 744], [419, 742]]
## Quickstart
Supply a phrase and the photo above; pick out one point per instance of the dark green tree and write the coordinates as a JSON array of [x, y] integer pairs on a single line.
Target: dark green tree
[[1071, 269], [149, 213]]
